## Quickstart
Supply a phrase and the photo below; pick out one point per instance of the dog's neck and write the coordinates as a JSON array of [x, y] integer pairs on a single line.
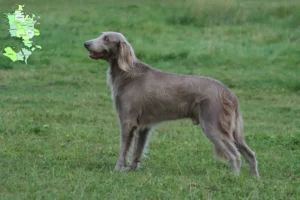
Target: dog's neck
[[114, 70]]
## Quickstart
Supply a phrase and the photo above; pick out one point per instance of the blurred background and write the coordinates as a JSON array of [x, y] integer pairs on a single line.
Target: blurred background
[[59, 134]]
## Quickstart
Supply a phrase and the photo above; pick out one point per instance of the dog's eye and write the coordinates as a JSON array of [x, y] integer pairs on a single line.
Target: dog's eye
[[106, 39]]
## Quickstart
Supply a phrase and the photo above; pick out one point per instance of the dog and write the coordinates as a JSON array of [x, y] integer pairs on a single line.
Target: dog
[[144, 96]]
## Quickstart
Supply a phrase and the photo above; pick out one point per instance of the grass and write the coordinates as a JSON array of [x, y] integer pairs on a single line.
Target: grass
[[58, 131]]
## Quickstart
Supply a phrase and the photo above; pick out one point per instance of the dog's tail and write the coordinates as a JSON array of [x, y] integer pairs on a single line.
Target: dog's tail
[[228, 114], [232, 122], [238, 129], [229, 122]]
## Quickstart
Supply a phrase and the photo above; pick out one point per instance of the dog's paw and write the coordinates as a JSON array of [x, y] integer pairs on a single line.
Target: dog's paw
[[119, 168], [255, 174], [134, 166]]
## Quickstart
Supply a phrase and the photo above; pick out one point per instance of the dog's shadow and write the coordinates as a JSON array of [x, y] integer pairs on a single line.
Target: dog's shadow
[[106, 164]]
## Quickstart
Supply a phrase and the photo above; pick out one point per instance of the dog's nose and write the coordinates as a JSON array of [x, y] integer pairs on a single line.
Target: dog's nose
[[86, 45]]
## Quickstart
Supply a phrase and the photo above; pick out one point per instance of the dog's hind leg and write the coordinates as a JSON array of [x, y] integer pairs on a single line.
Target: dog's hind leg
[[230, 153], [232, 148], [250, 157], [142, 135], [223, 143], [244, 148]]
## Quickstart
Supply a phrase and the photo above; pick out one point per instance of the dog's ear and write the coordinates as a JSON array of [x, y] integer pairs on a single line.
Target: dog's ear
[[126, 57]]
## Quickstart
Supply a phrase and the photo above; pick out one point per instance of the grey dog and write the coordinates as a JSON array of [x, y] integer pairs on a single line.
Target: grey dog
[[144, 96]]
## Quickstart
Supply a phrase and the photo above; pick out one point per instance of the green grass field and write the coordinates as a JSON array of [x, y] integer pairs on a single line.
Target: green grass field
[[59, 133]]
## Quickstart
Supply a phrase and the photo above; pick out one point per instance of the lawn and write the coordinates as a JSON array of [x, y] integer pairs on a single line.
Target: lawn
[[59, 135]]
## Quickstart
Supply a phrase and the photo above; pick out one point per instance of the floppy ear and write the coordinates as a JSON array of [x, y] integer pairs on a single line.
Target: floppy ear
[[126, 57]]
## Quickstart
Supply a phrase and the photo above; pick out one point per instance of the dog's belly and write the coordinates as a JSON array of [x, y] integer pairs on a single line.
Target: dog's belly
[[156, 113], [154, 119]]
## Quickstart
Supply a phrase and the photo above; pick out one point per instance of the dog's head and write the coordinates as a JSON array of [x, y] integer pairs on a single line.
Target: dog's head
[[112, 45]]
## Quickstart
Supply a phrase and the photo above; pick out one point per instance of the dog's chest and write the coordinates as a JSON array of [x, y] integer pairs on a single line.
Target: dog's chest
[[116, 84], [109, 80]]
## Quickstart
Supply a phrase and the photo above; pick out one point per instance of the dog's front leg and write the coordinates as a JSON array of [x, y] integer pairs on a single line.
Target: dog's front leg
[[127, 129], [141, 142]]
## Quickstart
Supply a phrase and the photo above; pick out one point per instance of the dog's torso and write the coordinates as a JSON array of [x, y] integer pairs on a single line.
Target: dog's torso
[[152, 96]]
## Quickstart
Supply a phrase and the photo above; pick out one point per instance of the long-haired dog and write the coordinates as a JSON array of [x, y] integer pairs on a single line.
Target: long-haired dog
[[144, 96]]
